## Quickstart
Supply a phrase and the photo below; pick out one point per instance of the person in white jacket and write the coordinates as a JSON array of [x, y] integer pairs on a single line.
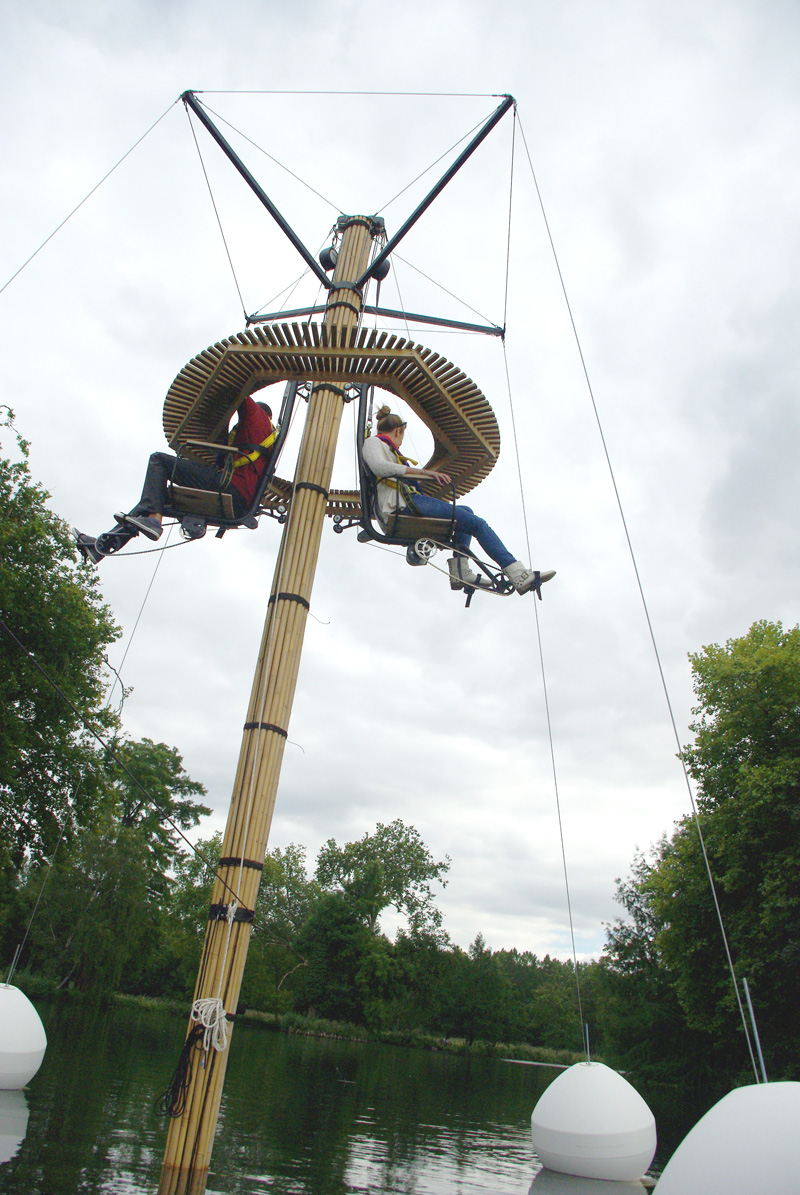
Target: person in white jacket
[[384, 459]]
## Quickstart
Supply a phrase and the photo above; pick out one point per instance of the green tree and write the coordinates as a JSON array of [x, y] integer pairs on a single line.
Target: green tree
[[169, 966], [644, 1026], [474, 994], [192, 886], [335, 943], [94, 915], [285, 900], [745, 759], [52, 605], [390, 868], [149, 788], [554, 1018], [420, 961], [105, 918]]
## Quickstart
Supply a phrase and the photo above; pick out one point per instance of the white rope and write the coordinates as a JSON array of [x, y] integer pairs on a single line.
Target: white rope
[[209, 1013]]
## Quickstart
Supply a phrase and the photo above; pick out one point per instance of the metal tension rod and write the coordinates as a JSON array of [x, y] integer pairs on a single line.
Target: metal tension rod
[[190, 100], [507, 103], [388, 313]]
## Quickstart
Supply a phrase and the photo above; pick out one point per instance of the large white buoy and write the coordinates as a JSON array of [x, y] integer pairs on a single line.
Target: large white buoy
[[22, 1039], [13, 1123], [748, 1142], [590, 1122]]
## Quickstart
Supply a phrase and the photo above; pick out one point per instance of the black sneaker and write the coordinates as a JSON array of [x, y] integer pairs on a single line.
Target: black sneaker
[[147, 524], [86, 546]]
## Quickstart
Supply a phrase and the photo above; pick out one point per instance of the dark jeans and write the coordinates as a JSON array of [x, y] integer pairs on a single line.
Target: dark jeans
[[163, 465], [467, 525]]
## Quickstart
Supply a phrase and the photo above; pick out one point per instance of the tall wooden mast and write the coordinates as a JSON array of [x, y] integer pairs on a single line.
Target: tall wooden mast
[[189, 1142]]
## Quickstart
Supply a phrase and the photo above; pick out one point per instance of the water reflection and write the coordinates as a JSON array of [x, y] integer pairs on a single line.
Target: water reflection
[[300, 1116], [13, 1123], [550, 1182], [338, 1118]]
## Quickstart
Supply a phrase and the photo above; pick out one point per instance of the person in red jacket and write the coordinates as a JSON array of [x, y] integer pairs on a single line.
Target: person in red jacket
[[237, 475]]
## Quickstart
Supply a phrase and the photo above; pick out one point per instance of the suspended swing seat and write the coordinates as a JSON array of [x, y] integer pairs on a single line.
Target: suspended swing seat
[[197, 509], [422, 536], [205, 394]]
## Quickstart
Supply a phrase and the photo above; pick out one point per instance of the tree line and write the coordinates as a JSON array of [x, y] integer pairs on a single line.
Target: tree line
[[91, 827]]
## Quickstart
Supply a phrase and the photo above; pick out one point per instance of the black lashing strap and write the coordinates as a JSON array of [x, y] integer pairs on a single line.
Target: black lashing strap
[[266, 726], [341, 303], [220, 913], [289, 597], [310, 485], [235, 861]]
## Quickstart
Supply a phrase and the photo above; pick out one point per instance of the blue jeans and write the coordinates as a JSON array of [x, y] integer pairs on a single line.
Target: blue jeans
[[186, 472], [467, 525]]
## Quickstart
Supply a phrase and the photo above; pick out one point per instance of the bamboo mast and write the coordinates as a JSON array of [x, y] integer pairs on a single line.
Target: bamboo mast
[[189, 1141]]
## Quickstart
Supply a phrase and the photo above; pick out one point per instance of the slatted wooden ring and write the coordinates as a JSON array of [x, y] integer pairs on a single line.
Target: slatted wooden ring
[[207, 391]]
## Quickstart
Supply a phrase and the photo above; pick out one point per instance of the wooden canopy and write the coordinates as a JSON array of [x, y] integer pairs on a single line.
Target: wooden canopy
[[207, 391]]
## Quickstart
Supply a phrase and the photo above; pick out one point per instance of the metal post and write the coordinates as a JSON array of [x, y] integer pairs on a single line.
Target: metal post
[[483, 132], [190, 100], [190, 1139]]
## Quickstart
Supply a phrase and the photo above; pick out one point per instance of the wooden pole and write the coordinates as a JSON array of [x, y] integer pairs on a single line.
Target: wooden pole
[[188, 1150]]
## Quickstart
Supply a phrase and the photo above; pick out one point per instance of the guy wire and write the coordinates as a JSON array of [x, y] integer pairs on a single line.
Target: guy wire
[[547, 711], [89, 194], [695, 813]]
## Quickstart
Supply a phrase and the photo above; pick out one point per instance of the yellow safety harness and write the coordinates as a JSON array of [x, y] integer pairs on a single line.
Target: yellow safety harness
[[251, 457], [405, 489], [247, 458]]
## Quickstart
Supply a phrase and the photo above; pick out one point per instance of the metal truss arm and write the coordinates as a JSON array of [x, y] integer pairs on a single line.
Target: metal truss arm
[[191, 101], [497, 115]]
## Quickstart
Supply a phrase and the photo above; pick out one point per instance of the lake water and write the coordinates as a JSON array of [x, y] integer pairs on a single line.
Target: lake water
[[300, 1116]]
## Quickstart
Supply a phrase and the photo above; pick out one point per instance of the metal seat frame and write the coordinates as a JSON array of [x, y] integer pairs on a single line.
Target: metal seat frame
[[403, 529], [193, 508]]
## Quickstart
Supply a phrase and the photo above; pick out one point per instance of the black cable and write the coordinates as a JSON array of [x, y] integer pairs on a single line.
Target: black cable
[[646, 609], [173, 1101], [266, 154], [88, 196], [463, 302], [447, 95], [455, 145], [216, 213]]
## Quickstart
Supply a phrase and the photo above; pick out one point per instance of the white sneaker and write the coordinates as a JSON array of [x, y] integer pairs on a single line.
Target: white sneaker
[[462, 576], [524, 579]]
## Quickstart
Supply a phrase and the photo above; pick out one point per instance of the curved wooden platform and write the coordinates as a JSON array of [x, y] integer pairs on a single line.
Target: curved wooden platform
[[207, 391]]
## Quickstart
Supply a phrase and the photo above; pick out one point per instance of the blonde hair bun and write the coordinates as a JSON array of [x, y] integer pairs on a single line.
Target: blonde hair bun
[[383, 412]]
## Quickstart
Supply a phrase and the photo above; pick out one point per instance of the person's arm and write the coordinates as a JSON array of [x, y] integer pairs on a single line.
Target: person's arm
[[432, 474], [380, 461], [254, 423]]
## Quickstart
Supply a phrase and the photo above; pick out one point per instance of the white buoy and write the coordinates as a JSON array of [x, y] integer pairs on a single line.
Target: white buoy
[[13, 1123], [22, 1039], [748, 1142], [591, 1123]]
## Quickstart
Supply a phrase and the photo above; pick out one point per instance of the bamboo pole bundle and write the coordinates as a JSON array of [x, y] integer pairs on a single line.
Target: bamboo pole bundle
[[189, 1142]]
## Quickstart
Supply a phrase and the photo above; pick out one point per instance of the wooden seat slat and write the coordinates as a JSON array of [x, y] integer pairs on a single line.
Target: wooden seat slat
[[202, 502]]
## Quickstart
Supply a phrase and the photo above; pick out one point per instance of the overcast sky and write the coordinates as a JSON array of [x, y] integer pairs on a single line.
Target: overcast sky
[[665, 141]]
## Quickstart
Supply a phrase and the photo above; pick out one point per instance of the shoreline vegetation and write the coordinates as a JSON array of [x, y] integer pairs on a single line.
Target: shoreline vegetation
[[296, 1024]]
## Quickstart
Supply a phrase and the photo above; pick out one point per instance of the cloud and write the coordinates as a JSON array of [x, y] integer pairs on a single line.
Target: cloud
[[664, 145]]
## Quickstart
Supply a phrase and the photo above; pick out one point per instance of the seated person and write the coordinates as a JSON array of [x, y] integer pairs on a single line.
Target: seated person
[[235, 474], [382, 456]]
